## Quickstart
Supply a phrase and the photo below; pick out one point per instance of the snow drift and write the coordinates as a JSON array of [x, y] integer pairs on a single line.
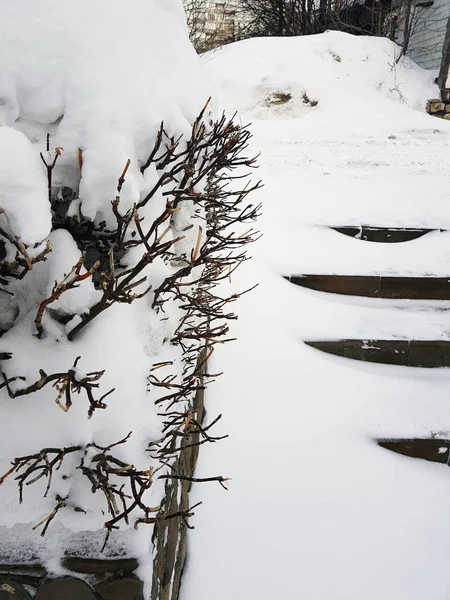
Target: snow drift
[[332, 71], [100, 77], [321, 512]]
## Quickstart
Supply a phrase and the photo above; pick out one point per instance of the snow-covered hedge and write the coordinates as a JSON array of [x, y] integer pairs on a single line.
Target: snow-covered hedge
[[118, 221]]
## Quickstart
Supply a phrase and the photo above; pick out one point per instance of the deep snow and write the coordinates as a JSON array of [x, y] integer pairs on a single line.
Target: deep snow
[[99, 77], [315, 509], [113, 71]]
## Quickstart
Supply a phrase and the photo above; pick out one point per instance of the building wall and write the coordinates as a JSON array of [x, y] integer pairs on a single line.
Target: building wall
[[427, 38]]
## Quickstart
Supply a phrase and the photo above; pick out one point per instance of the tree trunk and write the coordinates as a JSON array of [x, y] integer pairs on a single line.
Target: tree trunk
[[444, 74]]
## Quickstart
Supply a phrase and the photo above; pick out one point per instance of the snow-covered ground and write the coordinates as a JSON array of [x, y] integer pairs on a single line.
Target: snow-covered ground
[[315, 510]]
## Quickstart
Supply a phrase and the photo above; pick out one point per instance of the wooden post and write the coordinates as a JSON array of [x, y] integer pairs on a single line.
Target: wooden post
[[170, 537], [444, 74]]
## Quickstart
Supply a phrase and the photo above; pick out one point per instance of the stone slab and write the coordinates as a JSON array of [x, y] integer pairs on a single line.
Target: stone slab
[[65, 588], [128, 588], [375, 286], [410, 353], [30, 574], [390, 235], [431, 449], [92, 566]]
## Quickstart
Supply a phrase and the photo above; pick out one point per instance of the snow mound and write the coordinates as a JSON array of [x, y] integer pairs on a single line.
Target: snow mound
[[100, 77], [23, 200], [292, 76]]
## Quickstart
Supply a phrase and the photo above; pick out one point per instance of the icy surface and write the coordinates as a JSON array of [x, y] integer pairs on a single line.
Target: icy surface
[[315, 509]]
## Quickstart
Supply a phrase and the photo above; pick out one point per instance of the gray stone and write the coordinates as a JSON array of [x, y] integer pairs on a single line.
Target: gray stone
[[376, 286], [65, 588], [23, 573], [11, 590], [434, 106], [93, 566], [128, 588]]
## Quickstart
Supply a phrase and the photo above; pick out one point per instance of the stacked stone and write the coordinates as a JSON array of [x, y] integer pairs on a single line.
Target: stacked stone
[[439, 108], [101, 580]]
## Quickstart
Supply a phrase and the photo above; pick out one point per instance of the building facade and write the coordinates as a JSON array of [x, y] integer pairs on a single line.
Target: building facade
[[428, 33]]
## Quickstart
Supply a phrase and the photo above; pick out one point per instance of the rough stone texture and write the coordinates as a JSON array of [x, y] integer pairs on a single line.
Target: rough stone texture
[[65, 588], [92, 566], [11, 590], [128, 588], [434, 106], [440, 108], [170, 537], [29, 574], [446, 116]]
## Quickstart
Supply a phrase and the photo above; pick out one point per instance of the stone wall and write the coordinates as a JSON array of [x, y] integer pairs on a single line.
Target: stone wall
[[438, 108], [91, 580]]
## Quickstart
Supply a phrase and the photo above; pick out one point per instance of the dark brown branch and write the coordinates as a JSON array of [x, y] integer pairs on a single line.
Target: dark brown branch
[[66, 384]]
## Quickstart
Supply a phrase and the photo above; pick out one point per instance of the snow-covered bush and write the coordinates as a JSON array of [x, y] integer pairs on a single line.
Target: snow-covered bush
[[118, 221], [192, 248]]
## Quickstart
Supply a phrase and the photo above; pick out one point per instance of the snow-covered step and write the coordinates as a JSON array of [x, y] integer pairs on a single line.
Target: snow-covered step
[[375, 286], [432, 449], [391, 235], [408, 353]]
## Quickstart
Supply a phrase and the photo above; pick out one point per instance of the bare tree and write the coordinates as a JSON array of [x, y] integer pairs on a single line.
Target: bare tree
[[303, 17]]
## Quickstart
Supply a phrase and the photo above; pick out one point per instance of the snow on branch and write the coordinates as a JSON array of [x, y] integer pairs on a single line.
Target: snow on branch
[[121, 484], [196, 222], [65, 383]]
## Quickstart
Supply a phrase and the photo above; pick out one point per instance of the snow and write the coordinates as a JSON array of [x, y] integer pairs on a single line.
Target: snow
[[99, 77], [331, 69], [24, 201], [315, 509]]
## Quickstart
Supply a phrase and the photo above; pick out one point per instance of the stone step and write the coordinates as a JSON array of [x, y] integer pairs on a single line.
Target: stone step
[[390, 235], [432, 449], [410, 353], [93, 566], [375, 286]]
